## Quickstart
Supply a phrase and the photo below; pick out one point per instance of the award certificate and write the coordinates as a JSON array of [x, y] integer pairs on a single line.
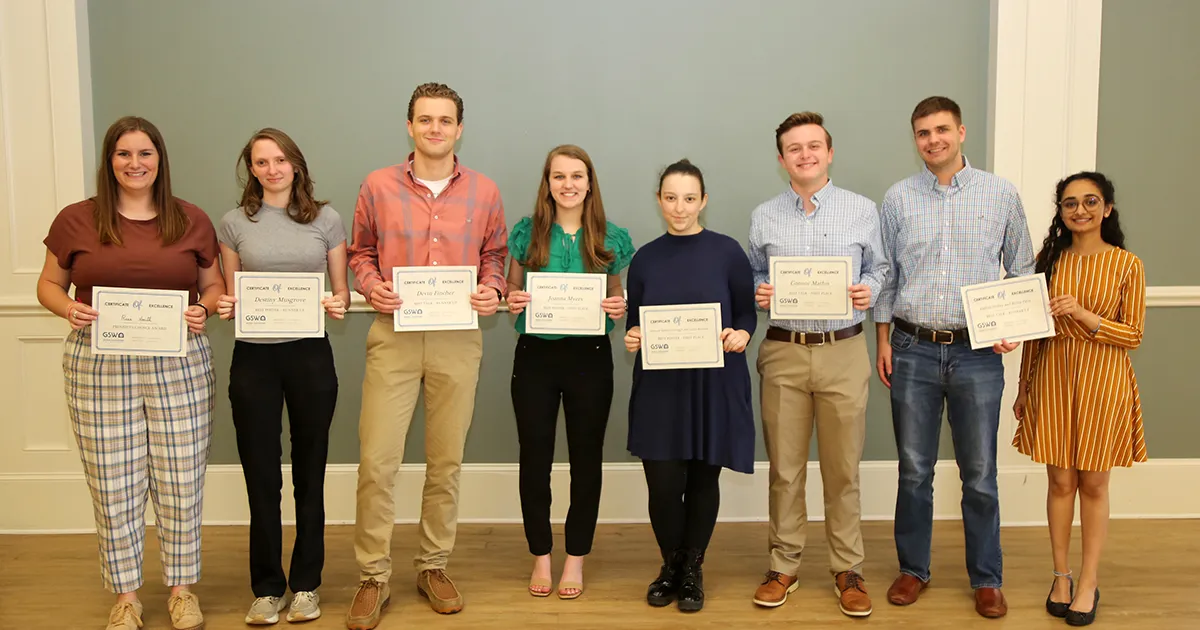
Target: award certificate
[[566, 303], [684, 336], [1017, 309], [811, 287], [434, 298], [139, 322], [279, 305]]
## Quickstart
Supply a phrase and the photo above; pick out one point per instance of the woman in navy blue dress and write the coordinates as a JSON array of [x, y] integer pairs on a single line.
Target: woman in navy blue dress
[[688, 424]]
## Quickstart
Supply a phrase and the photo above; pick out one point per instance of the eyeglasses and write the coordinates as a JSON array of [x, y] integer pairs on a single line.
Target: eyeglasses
[[1091, 202]]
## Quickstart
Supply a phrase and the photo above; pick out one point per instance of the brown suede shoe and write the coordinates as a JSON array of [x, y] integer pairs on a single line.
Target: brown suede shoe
[[775, 589], [851, 590], [443, 596], [989, 602], [905, 590], [369, 603]]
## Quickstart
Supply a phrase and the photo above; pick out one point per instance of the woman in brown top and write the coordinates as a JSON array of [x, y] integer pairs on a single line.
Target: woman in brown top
[[1078, 404], [142, 423]]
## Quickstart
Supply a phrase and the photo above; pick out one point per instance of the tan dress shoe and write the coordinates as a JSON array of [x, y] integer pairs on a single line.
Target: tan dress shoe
[[775, 589], [851, 590]]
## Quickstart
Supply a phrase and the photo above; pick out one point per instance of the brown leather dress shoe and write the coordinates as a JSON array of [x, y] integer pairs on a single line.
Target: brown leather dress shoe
[[851, 590], [989, 602], [443, 596], [905, 590], [775, 589]]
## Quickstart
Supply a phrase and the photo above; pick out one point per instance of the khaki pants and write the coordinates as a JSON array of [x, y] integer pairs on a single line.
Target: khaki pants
[[396, 364], [827, 386]]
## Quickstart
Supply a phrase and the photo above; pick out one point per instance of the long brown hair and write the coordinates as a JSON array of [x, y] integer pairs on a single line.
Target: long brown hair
[[596, 258], [302, 206], [172, 221]]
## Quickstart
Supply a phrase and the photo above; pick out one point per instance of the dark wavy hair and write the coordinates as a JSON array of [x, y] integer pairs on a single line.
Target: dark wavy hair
[[1059, 238]]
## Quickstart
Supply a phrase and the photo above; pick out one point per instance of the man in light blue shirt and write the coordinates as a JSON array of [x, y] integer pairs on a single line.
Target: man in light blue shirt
[[815, 371], [947, 227]]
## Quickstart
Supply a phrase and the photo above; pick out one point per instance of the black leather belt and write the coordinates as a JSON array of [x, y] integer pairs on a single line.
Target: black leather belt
[[929, 334], [775, 333]]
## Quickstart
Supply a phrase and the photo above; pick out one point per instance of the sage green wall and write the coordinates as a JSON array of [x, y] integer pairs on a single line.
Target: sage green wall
[[638, 84], [1147, 139]]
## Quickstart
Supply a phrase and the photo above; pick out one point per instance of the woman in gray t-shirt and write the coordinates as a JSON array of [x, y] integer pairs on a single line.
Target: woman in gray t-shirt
[[281, 227]]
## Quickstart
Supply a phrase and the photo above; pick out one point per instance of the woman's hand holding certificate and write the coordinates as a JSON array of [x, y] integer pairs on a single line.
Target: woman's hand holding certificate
[[685, 336], [566, 303], [139, 322], [1007, 311]]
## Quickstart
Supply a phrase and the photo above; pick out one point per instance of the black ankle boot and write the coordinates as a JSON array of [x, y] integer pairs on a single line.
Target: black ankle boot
[[663, 589], [691, 581]]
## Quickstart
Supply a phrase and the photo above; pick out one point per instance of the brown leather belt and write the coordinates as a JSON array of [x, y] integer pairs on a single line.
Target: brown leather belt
[[775, 333], [928, 334]]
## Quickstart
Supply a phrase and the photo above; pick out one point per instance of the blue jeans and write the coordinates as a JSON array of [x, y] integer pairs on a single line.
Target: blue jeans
[[924, 374]]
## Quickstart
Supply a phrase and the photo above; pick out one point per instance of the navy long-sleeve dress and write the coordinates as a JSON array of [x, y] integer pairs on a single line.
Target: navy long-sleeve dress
[[703, 414]]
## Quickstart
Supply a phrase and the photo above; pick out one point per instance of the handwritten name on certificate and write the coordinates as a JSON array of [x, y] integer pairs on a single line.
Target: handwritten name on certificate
[[434, 298], [811, 287], [678, 337], [1017, 309], [139, 322], [279, 305], [566, 303]]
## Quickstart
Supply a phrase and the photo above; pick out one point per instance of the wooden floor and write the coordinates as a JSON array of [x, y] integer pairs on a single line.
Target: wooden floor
[[1148, 581]]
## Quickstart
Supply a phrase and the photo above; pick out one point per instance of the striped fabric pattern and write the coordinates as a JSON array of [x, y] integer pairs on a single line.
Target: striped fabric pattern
[[844, 224], [938, 241], [1083, 409], [143, 426]]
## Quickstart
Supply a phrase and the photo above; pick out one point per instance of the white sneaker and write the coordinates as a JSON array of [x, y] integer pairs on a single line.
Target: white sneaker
[[265, 611], [304, 607]]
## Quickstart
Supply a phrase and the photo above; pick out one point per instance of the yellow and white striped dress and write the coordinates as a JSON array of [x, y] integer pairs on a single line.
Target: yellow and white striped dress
[[1083, 410]]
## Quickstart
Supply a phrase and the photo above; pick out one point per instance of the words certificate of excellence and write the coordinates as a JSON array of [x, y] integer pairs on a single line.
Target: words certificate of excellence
[[566, 303], [685, 336], [434, 298], [811, 287], [275, 305], [139, 322], [1017, 309]]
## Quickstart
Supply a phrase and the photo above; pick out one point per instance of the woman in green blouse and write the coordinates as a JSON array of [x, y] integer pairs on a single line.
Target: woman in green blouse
[[566, 234]]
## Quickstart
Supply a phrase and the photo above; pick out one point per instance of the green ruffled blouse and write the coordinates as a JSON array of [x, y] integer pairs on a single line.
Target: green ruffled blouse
[[566, 257]]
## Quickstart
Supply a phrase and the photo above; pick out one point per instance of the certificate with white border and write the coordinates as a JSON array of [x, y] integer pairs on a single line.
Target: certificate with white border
[[1016, 309], [434, 298], [566, 303], [279, 305], [679, 337], [139, 322], [811, 287]]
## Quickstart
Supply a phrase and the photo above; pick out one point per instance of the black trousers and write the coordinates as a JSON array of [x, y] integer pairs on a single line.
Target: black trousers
[[261, 378], [685, 497], [578, 372]]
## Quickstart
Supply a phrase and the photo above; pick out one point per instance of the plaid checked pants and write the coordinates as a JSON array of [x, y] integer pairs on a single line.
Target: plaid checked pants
[[143, 426]]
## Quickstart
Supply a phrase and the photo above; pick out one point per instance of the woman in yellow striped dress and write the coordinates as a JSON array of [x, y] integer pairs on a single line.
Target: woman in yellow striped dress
[[1078, 407]]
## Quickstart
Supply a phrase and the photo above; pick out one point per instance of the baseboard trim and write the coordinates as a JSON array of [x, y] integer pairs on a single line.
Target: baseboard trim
[[489, 495]]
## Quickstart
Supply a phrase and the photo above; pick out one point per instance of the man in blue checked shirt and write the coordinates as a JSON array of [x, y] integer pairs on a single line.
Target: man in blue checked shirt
[[815, 371], [946, 227]]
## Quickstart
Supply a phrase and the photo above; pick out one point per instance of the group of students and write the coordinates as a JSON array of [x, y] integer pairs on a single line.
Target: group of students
[[143, 424]]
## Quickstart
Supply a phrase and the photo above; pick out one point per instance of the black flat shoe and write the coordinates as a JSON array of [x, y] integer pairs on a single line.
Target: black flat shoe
[[1076, 618], [1059, 609]]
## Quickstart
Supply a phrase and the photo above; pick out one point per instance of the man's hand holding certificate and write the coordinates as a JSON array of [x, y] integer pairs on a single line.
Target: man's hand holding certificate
[[683, 336], [1012, 310], [811, 287], [139, 322], [435, 298]]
